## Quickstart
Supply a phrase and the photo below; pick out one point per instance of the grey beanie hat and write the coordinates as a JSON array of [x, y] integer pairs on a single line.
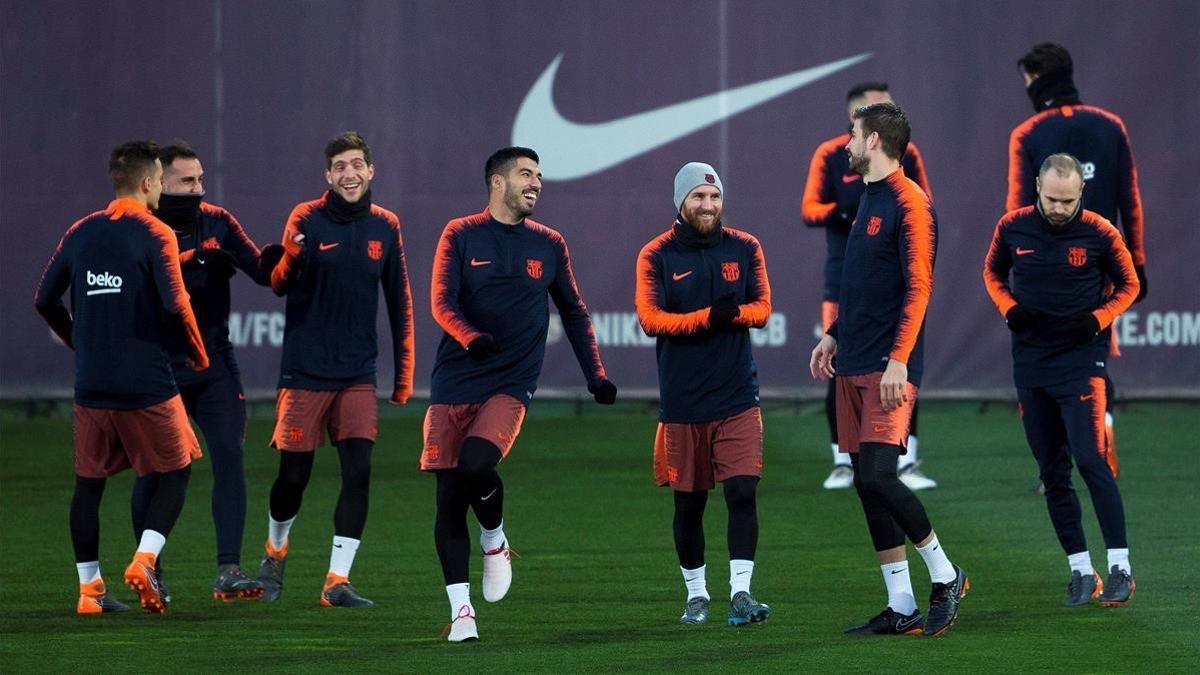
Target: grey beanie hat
[[692, 176]]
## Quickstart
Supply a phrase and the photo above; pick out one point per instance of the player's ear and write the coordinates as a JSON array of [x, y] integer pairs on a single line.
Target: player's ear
[[1037, 183]]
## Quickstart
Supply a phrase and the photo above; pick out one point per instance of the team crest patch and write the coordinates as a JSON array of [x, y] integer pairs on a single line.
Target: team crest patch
[[374, 249], [295, 434], [211, 242], [730, 271], [432, 453], [710, 179], [534, 268], [1077, 256], [874, 224]]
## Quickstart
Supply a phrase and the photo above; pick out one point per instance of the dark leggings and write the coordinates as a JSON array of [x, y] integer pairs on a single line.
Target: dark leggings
[[475, 484], [741, 530], [892, 510], [295, 470]]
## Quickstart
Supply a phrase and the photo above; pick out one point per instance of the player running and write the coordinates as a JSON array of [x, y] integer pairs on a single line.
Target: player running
[[878, 340], [1071, 276], [701, 286], [338, 250], [831, 196], [213, 246], [1098, 139], [127, 297], [491, 274]]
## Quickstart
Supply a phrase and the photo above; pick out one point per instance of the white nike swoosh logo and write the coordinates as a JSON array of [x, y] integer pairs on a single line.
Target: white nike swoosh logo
[[569, 150]]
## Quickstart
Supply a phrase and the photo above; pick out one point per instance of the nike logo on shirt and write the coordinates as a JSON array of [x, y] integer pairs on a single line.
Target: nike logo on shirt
[[571, 150], [326, 247], [1024, 251], [479, 263], [851, 178], [678, 276]]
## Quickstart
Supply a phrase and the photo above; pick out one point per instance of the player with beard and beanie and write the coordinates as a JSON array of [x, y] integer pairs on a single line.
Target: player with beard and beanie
[[1098, 139], [701, 286], [831, 196], [878, 341], [127, 300], [1071, 276], [213, 246], [492, 273], [338, 250]]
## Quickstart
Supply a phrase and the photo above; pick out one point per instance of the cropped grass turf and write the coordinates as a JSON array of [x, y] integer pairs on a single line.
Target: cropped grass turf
[[597, 585]]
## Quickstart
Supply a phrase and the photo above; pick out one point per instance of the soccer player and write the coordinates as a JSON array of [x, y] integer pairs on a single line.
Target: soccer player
[[701, 286], [491, 274], [1071, 275], [1098, 139], [831, 196], [212, 247], [878, 339], [127, 298], [337, 250]]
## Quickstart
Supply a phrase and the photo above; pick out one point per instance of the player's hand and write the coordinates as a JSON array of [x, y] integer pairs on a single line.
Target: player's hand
[[723, 312], [483, 347], [1081, 328], [1143, 288], [1020, 319], [268, 258], [893, 386], [399, 396], [217, 261], [604, 391], [821, 361]]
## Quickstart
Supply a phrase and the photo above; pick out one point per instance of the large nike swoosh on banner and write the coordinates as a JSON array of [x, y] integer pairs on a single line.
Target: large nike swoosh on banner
[[570, 150]]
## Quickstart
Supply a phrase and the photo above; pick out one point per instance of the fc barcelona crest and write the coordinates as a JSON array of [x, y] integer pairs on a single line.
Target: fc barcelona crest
[[730, 271], [1077, 256], [873, 225], [533, 268], [374, 249]]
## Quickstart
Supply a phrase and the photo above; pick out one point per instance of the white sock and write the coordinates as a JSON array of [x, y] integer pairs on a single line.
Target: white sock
[[341, 556], [460, 597], [899, 587], [839, 458], [490, 540], [1120, 558], [694, 580], [152, 542], [740, 572], [940, 569], [1081, 562], [909, 457], [88, 571], [278, 531]]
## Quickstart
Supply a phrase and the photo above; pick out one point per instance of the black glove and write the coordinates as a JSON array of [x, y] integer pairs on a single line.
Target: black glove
[[268, 258], [216, 261], [1080, 328], [483, 347], [604, 391], [723, 312], [1020, 319], [1141, 275]]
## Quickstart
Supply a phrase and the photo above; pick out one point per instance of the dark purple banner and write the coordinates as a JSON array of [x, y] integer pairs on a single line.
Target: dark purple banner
[[616, 96]]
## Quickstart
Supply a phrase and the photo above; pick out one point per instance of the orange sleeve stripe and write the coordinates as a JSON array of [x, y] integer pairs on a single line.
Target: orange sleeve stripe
[[1126, 285], [282, 275], [443, 290], [997, 263], [235, 228], [656, 320], [919, 170], [754, 314], [1017, 178], [595, 366], [181, 303], [813, 209], [918, 226], [405, 363]]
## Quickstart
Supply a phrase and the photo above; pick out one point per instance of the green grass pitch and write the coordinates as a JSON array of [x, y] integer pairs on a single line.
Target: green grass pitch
[[597, 587]]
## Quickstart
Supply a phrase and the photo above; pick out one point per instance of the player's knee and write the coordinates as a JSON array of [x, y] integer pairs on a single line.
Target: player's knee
[[477, 456], [740, 492], [295, 468], [89, 488]]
